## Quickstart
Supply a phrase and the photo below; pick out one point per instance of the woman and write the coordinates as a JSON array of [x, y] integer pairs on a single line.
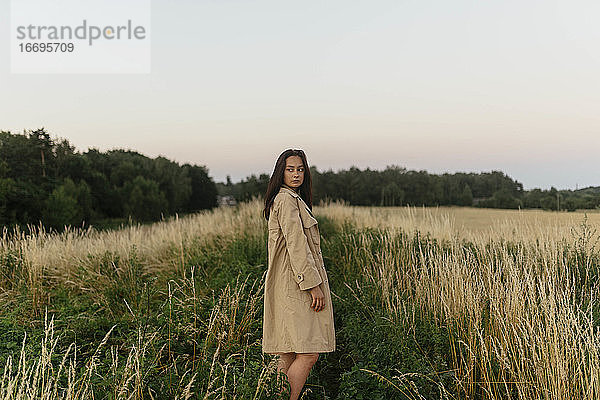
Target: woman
[[298, 315]]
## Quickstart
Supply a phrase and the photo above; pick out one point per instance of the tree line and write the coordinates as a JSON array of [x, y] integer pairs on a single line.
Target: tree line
[[45, 180], [397, 186]]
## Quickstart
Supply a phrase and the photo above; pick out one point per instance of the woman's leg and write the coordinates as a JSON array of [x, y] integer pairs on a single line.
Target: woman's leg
[[298, 372], [285, 360]]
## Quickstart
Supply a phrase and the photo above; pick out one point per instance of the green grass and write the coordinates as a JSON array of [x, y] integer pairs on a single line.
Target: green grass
[[204, 328], [194, 330]]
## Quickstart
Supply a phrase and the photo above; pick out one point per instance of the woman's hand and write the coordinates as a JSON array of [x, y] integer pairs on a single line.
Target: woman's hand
[[318, 297]]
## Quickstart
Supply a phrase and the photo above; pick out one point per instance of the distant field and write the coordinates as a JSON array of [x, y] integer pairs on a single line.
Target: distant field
[[466, 222], [434, 303]]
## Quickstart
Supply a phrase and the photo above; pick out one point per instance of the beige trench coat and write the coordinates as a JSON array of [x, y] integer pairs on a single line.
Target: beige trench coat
[[295, 265]]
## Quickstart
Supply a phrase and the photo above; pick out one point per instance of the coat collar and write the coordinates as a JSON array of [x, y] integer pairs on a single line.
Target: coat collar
[[289, 189], [293, 193]]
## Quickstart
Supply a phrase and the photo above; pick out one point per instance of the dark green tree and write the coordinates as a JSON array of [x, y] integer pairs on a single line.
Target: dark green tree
[[144, 199], [174, 182], [466, 198], [203, 189], [69, 204]]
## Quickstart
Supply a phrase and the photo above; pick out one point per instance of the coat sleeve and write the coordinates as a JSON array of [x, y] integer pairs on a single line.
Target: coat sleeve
[[305, 271]]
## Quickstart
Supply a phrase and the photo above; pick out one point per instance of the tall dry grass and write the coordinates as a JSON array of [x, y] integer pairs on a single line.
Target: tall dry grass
[[519, 292], [126, 377], [517, 289], [471, 224], [39, 260], [44, 257]]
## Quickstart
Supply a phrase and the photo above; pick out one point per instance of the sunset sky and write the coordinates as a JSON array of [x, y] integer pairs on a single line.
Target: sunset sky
[[443, 86]]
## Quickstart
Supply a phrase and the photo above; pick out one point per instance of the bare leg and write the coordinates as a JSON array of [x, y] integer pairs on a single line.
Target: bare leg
[[285, 360], [283, 363], [298, 372]]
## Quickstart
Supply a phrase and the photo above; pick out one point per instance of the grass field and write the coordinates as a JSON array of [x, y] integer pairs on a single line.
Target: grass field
[[434, 303]]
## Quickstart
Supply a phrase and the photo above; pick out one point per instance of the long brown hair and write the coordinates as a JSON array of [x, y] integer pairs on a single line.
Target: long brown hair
[[305, 190]]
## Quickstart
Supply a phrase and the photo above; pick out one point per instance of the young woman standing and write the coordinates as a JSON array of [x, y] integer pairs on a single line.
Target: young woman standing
[[298, 314]]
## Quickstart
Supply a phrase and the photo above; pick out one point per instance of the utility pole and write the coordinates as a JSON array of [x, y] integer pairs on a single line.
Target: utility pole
[[557, 201]]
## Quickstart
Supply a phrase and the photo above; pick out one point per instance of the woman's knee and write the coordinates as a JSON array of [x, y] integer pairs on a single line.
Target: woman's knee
[[285, 359], [308, 357]]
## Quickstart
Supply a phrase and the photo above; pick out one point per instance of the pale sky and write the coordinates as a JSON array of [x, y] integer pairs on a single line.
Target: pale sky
[[443, 86]]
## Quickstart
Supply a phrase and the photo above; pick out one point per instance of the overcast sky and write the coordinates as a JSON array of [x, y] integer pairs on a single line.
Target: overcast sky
[[443, 86]]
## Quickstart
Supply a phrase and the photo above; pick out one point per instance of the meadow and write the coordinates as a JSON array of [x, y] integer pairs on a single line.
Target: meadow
[[429, 303]]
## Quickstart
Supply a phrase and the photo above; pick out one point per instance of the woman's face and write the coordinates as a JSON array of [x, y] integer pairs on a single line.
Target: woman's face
[[293, 175]]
